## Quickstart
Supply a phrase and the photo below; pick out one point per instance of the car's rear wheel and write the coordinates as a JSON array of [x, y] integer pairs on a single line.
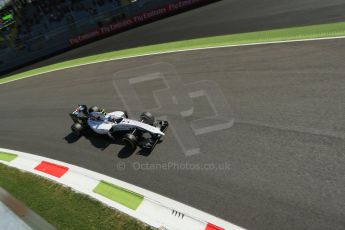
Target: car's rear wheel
[[147, 118], [130, 140], [77, 129], [94, 109]]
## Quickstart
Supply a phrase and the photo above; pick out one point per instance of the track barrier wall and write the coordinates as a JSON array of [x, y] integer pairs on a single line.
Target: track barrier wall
[[83, 31]]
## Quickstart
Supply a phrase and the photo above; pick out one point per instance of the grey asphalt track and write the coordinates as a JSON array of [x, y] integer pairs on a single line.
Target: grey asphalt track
[[223, 17], [284, 155]]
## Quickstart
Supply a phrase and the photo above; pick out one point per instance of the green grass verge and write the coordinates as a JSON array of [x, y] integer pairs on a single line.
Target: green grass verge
[[60, 206], [8, 157], [127, 198], [305, 32]]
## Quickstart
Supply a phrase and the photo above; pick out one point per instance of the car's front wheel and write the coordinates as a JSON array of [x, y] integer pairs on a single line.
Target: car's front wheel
[[147, 118], [130, 140]]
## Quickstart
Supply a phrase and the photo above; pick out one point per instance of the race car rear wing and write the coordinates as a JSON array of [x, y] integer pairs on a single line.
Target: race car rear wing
[[80, 115]]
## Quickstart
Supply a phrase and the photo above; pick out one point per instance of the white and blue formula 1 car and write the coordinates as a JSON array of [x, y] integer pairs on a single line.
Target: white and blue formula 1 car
[[145, 133]]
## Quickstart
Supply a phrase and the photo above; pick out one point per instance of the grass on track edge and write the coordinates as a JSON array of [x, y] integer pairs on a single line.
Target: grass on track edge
[[61, 206]]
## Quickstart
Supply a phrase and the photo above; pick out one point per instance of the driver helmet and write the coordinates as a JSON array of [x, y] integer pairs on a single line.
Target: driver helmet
[[115, 119], [118, 119]]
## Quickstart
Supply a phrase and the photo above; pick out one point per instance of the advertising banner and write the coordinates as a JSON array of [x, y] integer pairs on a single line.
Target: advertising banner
[[136, 20]]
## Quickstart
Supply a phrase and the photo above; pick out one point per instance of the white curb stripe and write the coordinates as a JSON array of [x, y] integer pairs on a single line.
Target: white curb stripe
[[179, 51], [83, 183], [155, 210]]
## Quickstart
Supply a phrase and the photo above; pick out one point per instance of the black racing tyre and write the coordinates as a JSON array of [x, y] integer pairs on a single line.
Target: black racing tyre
[[130, 140], [77, 129], [94, 109], [147, 118]]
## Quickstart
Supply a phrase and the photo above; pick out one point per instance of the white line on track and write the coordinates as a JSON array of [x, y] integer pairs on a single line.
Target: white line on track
[[180, 51]]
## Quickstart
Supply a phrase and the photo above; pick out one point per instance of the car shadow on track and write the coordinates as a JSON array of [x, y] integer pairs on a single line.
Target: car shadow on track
[[101, 142]]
